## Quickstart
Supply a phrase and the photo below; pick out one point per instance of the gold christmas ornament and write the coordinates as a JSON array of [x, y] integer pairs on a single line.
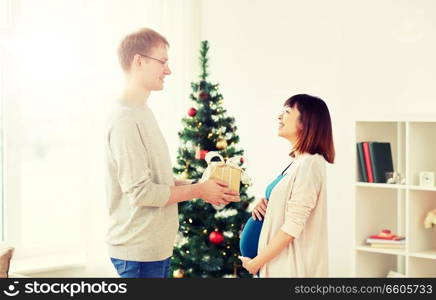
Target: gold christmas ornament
[[205, 231], [210, 135], [178, 273], [221, 144], [184, 175]]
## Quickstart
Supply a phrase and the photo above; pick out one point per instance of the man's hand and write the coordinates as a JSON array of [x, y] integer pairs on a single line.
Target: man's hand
[[178, 182], [216, 192]]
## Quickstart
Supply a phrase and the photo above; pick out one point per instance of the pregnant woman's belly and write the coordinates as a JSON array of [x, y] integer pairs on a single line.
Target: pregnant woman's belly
[[249, 238]]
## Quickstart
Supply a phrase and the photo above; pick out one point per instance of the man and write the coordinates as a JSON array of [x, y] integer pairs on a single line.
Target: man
[[142, 192]]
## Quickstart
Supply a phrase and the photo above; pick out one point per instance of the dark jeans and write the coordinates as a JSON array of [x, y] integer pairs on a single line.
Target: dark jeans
[[141, 269]]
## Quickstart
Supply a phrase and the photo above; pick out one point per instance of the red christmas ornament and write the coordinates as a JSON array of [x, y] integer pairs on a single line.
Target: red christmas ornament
[[192, 112], [216, 237], [241, 160], [204, 96], [200, 154]]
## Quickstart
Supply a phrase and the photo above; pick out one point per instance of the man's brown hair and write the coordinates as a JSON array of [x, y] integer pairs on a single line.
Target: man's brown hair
[[139, 42]]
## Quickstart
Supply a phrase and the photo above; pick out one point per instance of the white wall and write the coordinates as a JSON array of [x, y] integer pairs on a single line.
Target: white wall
[[367, 59]]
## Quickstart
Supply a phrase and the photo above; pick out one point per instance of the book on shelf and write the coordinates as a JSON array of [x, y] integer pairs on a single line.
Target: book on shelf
[[384, 245], [386, 234], [386, 237], [381, 160], [361, 163], [368, 165], [374, 161], [381, 241]]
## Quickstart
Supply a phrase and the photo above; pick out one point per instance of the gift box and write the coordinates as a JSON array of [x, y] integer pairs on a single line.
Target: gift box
[[229, 174], [229, 171]]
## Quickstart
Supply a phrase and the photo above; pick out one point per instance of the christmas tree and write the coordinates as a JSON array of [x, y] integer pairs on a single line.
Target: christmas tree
[[209, 243]]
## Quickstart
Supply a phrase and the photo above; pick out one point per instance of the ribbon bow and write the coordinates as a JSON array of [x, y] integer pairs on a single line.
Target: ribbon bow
[[234, 162]]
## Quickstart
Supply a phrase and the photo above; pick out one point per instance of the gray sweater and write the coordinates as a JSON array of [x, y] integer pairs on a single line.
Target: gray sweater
[[141, 226]]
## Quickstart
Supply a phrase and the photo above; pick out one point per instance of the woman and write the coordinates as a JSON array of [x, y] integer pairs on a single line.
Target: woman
[[293, 233]]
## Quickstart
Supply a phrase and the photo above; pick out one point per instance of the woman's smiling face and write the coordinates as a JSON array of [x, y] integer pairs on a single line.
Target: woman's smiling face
[[289, 124]]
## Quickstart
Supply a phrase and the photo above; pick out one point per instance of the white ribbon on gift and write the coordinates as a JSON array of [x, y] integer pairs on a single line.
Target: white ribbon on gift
[[233, 162]]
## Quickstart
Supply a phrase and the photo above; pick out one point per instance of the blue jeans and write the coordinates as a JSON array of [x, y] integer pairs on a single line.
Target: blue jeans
[[141, 269]]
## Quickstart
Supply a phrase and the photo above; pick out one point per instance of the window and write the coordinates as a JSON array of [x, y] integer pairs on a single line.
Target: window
[[1, 150], [46, 176], [4, 25], [4, 14]]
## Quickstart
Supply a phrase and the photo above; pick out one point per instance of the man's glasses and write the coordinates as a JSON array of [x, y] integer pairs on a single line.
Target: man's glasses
[[164, 63]]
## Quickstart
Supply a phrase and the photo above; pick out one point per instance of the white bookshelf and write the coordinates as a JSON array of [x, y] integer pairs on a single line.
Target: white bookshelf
[[398, 207]]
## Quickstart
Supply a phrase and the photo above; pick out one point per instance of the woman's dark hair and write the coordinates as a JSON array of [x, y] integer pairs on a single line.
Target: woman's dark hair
[[315, 130]]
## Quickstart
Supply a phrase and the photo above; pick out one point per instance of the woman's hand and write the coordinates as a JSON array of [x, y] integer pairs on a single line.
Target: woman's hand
[[259, 210], [250, 265]]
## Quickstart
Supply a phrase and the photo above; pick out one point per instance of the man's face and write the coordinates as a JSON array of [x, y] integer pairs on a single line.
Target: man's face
[[154, 68]]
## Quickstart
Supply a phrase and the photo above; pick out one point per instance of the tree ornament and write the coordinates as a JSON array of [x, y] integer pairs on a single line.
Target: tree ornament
[[210, 135], [184, 175], [216, 237], [200, 154], [178, 273], [241, 160], [221, 144], [204, 96], [192, 112]]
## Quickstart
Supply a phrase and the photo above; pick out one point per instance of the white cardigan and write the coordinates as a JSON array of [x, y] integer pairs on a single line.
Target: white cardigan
[[297, 206]]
